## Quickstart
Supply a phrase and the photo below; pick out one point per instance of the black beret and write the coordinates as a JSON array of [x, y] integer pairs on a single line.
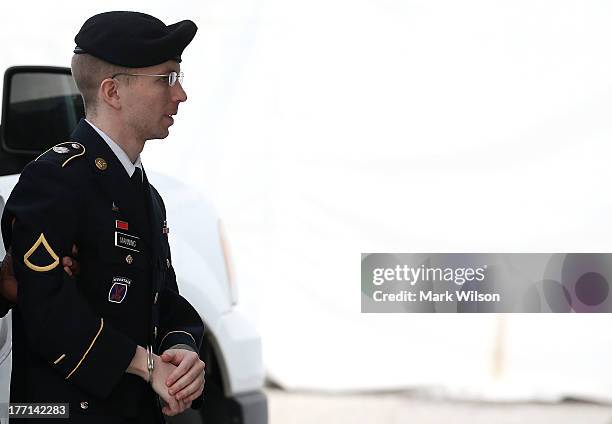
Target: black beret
[[133, 39]]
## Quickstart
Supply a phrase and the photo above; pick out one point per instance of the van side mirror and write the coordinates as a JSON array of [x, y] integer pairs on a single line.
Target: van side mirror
[[41, 105]]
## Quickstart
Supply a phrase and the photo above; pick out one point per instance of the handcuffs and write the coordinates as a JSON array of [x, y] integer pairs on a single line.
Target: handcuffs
[[150, 362]]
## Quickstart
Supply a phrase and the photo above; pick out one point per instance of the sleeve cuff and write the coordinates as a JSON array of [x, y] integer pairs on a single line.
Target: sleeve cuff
[[105, 363], [173, 338], [182, 346]]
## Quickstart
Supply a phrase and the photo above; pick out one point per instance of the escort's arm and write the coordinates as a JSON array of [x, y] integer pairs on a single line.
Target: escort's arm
[[5, 307], [8, 286], [59, 323]]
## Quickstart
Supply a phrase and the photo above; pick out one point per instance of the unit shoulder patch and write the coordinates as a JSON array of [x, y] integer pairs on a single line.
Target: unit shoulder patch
[[41, 257], [63, 153]]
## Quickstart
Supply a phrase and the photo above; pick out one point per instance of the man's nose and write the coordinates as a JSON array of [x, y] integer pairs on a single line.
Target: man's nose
[[178, 93]]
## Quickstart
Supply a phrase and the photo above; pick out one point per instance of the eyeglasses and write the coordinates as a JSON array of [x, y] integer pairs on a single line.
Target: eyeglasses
[[173, 77]]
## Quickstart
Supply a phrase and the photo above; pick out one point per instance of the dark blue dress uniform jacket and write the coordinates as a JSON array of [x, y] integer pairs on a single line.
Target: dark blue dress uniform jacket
[[73, 338]]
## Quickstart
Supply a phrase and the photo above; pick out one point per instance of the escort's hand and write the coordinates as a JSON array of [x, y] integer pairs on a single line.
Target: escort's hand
[[8, 282], [187, 381], [161, 372], [70, 264]]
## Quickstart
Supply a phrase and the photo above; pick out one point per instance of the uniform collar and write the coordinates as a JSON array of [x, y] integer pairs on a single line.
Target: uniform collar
[[118, 151]]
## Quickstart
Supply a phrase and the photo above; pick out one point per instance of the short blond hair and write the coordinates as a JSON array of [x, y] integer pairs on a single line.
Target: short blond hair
[[88, 72]]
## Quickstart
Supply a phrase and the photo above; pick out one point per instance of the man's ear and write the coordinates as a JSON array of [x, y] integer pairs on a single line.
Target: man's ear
[[109, 93]]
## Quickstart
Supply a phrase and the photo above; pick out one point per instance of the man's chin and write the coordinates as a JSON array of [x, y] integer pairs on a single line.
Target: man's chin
[[160, 135], [165, 131]]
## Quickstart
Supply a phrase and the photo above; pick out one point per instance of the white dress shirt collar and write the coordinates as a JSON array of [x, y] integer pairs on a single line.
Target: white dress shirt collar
[[118, 151]]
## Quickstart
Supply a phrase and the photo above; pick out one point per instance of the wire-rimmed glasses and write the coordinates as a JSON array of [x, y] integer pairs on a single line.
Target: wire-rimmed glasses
[[173, 76]]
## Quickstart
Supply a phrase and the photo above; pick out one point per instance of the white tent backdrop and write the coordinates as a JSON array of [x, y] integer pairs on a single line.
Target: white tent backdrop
[[324, 129]]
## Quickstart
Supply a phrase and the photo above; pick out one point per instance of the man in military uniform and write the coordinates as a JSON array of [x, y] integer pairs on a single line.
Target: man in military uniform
[[93, 340]]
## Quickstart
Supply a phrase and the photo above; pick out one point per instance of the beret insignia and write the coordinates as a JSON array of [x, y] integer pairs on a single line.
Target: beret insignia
[[41, 255]]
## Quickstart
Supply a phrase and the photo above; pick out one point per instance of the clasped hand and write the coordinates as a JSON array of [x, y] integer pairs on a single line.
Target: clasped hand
[[178, 379]]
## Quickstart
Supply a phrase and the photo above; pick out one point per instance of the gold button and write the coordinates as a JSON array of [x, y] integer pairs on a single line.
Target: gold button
[[129, 259], [101, 164], [155, 299], [167, 263], [155, 332], [84, 405]]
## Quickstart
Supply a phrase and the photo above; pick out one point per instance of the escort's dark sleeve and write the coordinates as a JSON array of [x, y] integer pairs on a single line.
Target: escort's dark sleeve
[[5, 307], [5, 304], [59, 323]]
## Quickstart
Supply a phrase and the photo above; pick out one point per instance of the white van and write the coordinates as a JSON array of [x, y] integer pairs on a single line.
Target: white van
[[40, 107]]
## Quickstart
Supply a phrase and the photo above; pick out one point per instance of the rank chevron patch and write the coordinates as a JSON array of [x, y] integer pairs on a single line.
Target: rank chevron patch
[[41, 255]]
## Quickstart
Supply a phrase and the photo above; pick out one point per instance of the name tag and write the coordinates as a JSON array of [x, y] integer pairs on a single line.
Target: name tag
[[126, 241]]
